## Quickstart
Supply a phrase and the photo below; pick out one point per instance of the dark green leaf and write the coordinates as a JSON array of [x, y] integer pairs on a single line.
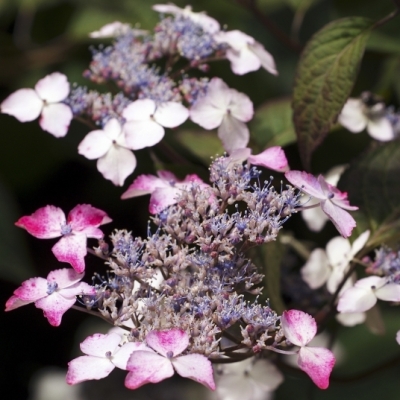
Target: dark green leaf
[[325, 76]]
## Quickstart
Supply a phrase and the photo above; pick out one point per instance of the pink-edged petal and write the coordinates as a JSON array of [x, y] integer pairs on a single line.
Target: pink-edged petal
[[141, 134], [196, 367], [388, 292], [84, 216], [352, 116], [44, 223], [272, 158], [342, 220], [316, 271], [171, 114], [233, 133], [117, 164], [162, 198], [240, 107], [143, 184], [121, 356], [164, 342], [94, 145], [306, 182], [381, 129], [54, 306], [64, 277], [53, 88], [317, 363], [72, 249], [147, 367], [24, 104], [31, 290], [266, 59], [14, 302], [139, 110], [299, 327], [100, 345], [55, 119], [86, 368]]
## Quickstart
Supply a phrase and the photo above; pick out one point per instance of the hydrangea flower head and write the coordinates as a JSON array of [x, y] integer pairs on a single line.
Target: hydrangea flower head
[[333, 202], [45, 100], [162, 357], [54, 295], [317, 362], [82, 223]]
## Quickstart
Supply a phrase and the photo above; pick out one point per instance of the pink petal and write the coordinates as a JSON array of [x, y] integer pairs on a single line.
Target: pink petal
[[64, 278], [162, 198], [171, 114], [143, 184], [169, 341], [196, 367], [53, 88], [14, 302], [306, 182], [139, 110], [141, 134], [84, 216], [233, 133], [147, 367], [44, 223], [317, 363], [55, 119], [299, 327], [54, 306], [72, 249], [117, 164], [99, 345], [24, 104], [273, 158], [94, 145], [266, 59], [342, 220], [86, 368], [32, 289]]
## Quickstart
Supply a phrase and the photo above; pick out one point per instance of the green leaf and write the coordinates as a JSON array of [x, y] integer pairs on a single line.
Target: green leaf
[[272, 124], [383, 43], [372, 183], [324, 79]]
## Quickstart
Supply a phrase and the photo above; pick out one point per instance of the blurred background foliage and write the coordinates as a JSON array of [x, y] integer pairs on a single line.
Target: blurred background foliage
[[38, 37]]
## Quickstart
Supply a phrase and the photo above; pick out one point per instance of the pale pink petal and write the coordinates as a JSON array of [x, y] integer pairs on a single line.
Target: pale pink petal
[[162, 198], [266, 59], [240, 106], [121, 356], [233, 133], [143, 184], [335, 195], [141, 134], [44, 223], [388, 292], [55, 119], [32, 289], [272, 158], [342, 220], [147, 367], [84, 216], [24, 104], [236, 39], [94, 145], [72, 249], [99, 344], [206, 115], [117, 165], [381, 129], [244, 61], [112, 129], [299, 327], [53, 88], [14, 302], [86, 368], [64, 277], [113, 29], [54, 306], [317, 363], [316, 271], [139, 110], [240, 155], [352, 116], [171, 114], [196, 367], [77, 289], [164, 342], [306, 182], [356, 299]]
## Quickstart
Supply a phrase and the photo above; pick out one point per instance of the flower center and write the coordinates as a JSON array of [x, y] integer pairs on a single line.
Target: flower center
[[51, 287]]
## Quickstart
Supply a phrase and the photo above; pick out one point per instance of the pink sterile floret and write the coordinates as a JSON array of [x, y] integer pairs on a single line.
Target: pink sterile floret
[[159, 362], [103, 354], [300, 328], [82, 223], [45, 100], [333, 202], [54, 295], [164, 189]]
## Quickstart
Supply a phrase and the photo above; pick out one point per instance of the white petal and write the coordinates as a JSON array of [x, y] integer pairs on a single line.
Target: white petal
[[112, 29], [139, 110], [351, 319], [381, 129], [24, 104], [352, 116], [112, 129], [337, 250], [95, 145], [55, 119], [171, 114], [389, 292], [241, 107], [140, 134], [233, 133], [356, 299], [316, 271], [359, 243], [53, 88], [266, 59], [244, 61], [315, 218]]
